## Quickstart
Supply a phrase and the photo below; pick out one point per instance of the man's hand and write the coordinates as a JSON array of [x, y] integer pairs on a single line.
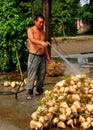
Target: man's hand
[[48, 60], [44, 44]]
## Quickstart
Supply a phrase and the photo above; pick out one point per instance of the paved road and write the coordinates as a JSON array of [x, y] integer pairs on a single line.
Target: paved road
[[75, 45]]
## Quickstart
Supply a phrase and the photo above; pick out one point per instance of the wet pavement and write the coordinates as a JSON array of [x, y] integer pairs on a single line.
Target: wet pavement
[[15, 114]]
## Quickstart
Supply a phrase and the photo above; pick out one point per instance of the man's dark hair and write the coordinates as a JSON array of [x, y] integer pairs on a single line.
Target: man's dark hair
[[39, 16]]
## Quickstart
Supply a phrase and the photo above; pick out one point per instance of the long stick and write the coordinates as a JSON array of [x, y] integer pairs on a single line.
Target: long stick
[[18, 63]]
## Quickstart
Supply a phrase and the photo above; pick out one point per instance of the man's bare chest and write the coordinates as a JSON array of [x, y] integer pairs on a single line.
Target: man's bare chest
[[38, 35]]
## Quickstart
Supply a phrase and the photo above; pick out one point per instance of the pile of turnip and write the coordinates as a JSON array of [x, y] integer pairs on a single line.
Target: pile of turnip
[[69, 104], [55, 68], [14, 84]]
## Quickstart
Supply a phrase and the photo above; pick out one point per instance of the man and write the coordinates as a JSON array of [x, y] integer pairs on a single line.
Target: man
[[38, 54]]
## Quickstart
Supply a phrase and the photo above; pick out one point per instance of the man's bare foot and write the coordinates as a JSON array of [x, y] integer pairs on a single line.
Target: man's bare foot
[[28, 97]]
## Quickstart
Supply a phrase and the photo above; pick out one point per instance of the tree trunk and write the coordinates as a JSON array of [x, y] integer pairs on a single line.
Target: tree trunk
[[63, 29], [91, 1], [32, 8], [47, 14]]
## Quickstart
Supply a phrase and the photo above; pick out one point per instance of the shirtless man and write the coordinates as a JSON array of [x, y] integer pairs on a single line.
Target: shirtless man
[[38, 54]]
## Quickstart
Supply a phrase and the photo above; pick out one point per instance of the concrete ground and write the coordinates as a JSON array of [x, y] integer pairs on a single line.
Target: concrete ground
[[4, 125], [16, 114]]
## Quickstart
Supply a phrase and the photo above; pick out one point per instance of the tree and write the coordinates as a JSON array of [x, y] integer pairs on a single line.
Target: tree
[[17, 16], [12, 28], [13, 25], [86, 14], [64, 13]]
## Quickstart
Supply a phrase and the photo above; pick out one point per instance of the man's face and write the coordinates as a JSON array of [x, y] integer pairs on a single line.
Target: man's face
[[39, 23]]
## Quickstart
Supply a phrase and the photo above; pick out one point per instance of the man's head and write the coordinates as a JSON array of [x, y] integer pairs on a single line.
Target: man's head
[[39, 21]]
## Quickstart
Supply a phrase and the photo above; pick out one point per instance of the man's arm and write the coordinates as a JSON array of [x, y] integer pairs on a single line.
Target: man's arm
[[47, 55]]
